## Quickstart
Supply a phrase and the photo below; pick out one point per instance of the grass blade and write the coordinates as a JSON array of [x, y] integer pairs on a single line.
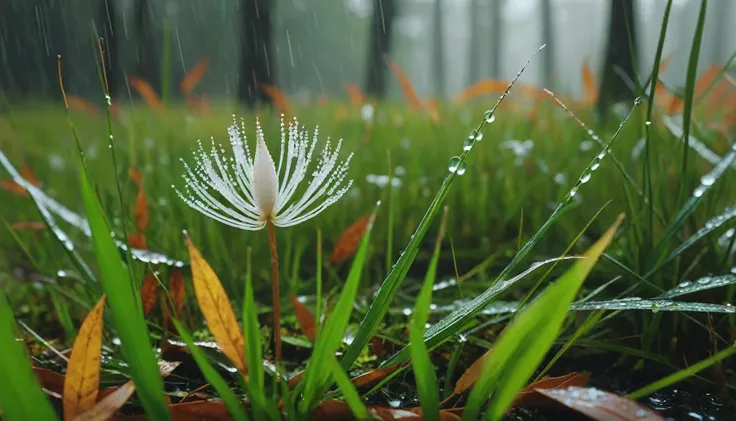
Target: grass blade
[[125, 307], [653, 305], [24, 400], [525, 341], [317, 376], [424, 371], [349, 392], [710, 226], [707, 282], [213, 377]]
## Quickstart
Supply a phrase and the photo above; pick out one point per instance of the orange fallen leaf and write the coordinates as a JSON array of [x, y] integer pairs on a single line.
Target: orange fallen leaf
[[29, 225], [295, 379], [496, 86], [529, 397], [109, 405], [405, 84], [140, 212], [305, 318], [192, 78], [372, 376], [471, 375], [149, 292], [136, 176], [137, 240], [81, 104], [217, 309], [600, 405], [355, 94], [13, 187], [590, 85], [176, 290], [349, 240], [50, 380], [279, 99], [82, 381], [29, 175], [149, 95], [332, 410]]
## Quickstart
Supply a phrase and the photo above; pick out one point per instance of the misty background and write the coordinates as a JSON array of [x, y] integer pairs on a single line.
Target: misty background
[[310, 48]]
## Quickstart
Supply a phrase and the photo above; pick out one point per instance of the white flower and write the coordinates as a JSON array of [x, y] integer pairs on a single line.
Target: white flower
[[252, 191]]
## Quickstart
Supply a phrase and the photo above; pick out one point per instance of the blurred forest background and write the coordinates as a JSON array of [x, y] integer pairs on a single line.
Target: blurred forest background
[[310, 48]]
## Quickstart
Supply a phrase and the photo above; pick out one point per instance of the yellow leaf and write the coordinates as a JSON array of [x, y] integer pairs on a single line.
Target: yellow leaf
[[83, 371], [217, 309]]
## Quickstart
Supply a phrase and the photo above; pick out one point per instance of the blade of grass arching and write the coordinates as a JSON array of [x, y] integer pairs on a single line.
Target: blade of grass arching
[[349, 392], [125, 307], [318, 374], [435, 336], [424, 374], [702, 284], [706, 182], [654, 305], [682, 374], [531, 292], [390, 204], [692, 73], [391, 283], [455, 321], [212, 376], [710, 226], [647, 179], [24, 400], [525, 341]]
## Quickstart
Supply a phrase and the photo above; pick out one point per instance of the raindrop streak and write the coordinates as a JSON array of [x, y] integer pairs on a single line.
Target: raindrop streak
[[456, 165]]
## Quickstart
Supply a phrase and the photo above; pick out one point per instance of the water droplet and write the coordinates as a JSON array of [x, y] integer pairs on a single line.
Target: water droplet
[[585, 178], [490, 117], [469, 142], [602, 154], [594, 166], [407, 312], [685, 284], [655, 307], [479, 137], [456, 165], [637, 101], [648, 123], [590, 132], [573, 191], [699, 191], [707, 180], [703, 281]]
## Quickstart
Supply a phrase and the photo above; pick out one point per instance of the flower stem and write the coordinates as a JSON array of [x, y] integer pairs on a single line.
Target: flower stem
[[275, 289]]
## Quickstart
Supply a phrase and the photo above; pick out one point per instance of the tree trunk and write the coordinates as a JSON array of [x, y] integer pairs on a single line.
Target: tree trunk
[[548, 54], [106, 30], [384, 12], [147, 66], [439, 51], [256, 66], [620, 55]]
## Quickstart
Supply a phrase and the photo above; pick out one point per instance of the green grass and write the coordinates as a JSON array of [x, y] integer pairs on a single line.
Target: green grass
[[507, 216]]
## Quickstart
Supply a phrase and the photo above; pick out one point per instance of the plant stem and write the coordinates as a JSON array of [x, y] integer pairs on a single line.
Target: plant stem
[[275, 288]]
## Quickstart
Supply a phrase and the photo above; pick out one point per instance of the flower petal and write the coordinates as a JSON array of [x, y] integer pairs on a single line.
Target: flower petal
[[265, 179]]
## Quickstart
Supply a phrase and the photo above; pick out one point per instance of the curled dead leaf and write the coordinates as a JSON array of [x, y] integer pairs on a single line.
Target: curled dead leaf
[[109, 405], [600, 405], [528, 397], [349, 240], [305, 318], [217, 309], [471, 375], [82, 381], [373, 376]]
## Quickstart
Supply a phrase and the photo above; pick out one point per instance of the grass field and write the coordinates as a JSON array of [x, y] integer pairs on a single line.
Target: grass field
[[453, 246]]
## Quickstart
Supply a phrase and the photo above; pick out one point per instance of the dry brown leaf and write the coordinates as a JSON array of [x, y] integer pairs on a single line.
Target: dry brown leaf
[[349, 240], [372, 376], [176, 290], [192, 78], [13, 187], [149, 95], [29, 175], [217, 309], [496, 86], [136, 176], [149, 292], [77, 103], [279, 99], [391, 414], [405, 83], [109, 405], [82, 381], [600, 405], [29, 225], [528, 397], [355, 94], [137, 240], [445, 414], [332, 410], [200, 411], [140, 212], [305, 318], [295, 379], [50, 380], [471, 375]]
